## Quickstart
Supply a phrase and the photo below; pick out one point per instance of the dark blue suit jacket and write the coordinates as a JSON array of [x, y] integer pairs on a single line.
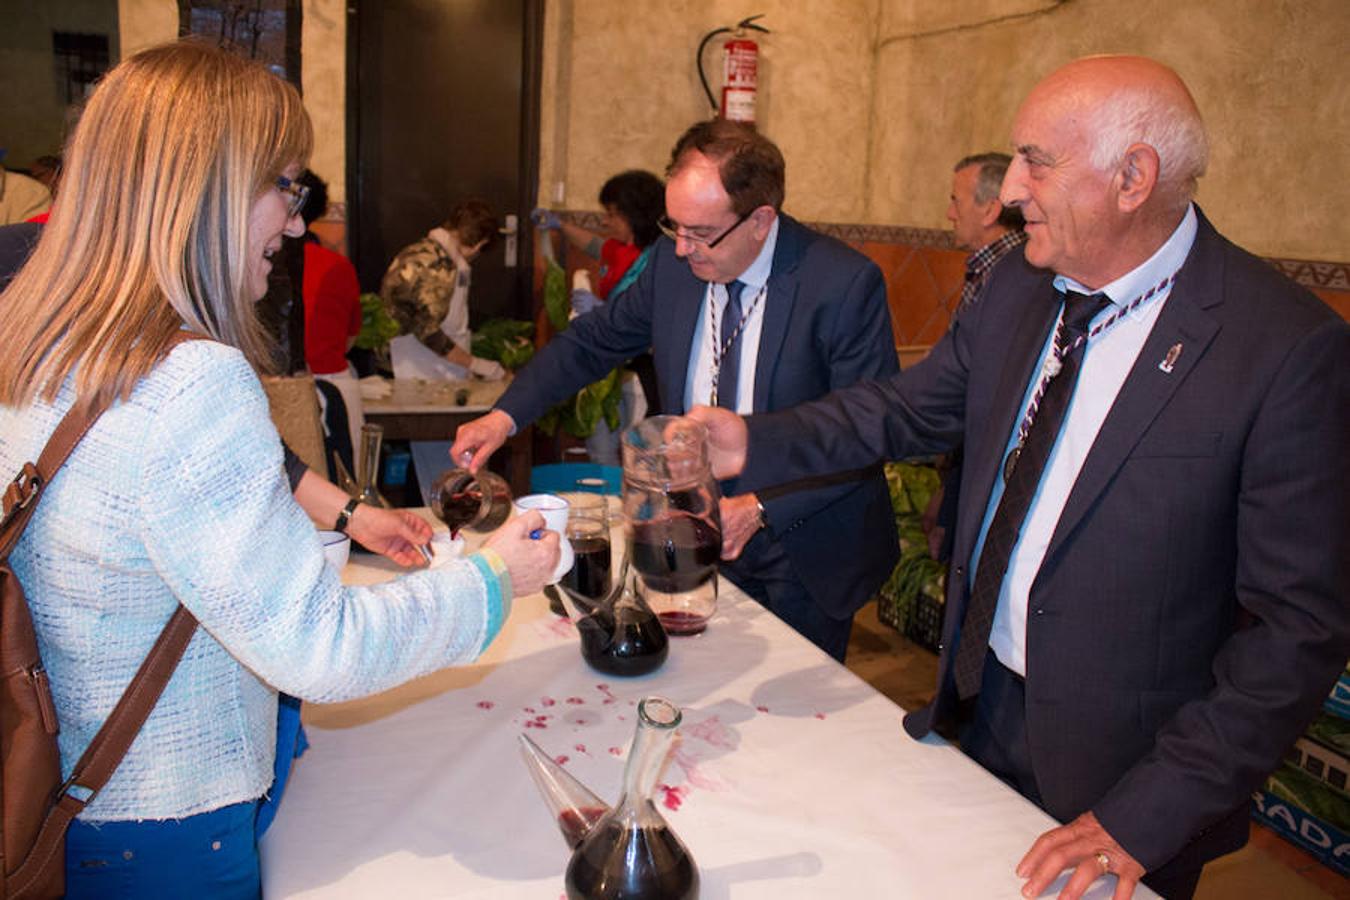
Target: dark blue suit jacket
[[1192, 608], [826, 326], [16, 242]]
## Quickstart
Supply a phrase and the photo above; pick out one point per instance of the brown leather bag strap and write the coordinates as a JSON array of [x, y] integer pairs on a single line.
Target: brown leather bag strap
[[22, 494], [106, 750]]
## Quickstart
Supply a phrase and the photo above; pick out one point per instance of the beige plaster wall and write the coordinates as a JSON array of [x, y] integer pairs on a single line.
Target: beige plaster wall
[[873, 100], [323, 68], [323, 72], [1270, 77], [33, 123], [620, 85], [145, 23]]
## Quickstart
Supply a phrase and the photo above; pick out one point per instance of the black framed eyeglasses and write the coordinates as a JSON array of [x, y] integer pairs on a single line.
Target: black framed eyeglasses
[[671, 230], [296, 194]]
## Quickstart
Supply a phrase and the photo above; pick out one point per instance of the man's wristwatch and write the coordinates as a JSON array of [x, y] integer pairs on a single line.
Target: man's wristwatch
[[763, 516], [345, 516]]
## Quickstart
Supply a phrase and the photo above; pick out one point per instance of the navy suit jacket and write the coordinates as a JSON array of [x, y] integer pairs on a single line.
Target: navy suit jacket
[[826, 326], [16, 242], [1191, 611]]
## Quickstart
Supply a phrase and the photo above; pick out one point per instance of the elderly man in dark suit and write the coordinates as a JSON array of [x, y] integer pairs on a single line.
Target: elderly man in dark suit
[[744, 306], [1149, 596]]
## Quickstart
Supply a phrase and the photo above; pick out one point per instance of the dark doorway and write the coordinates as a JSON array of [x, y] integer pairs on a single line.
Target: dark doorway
[[443, 99]]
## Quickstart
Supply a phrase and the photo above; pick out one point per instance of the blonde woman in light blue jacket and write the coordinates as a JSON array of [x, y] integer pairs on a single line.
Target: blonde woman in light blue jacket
[[178, 189]]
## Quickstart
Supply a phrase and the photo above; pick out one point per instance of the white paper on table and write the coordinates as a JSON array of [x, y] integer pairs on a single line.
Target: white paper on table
[[411, 359]]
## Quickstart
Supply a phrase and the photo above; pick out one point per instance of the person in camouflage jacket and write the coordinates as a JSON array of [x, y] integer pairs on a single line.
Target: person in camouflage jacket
[[425, 290]]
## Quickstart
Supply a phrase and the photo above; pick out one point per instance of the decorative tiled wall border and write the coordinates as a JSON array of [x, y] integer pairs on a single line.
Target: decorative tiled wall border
[[1309, 273], [1325, 275]]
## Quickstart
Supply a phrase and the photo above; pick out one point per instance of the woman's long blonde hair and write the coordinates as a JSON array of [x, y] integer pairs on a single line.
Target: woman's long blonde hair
[[150, 231]]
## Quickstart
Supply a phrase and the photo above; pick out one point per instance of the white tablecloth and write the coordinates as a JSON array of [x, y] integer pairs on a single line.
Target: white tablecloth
[[791, 777]]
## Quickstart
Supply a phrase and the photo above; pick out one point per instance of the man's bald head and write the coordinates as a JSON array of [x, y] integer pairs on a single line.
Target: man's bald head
[[1125, 100], [1108, 152]]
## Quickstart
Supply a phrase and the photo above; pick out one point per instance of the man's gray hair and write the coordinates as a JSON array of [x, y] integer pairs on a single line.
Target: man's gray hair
[[989, 181], [1137, 116], [993, 166]]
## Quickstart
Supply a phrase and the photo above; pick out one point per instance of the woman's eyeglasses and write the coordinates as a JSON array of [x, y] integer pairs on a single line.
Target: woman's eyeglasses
[[296, 194], [671, 230]]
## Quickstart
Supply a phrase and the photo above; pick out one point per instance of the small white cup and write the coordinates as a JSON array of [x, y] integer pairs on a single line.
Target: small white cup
[[445, 548], [336, 548], [554, 510]]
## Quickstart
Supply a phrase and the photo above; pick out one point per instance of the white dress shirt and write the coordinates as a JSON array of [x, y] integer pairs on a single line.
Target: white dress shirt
[[1107, 360], [698, 379]]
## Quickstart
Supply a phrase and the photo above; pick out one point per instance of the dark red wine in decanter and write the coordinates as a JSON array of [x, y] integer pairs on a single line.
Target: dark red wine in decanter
[[620, 635], [632, 863], [673, 528], [632, 853], [577, 823], [589, 575], [462, 500], [677, 553]]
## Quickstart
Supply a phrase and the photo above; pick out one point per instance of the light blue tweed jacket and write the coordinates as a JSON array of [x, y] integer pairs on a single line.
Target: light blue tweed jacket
[[179, 494]]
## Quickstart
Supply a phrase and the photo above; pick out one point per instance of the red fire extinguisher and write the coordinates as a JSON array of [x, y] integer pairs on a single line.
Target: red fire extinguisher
[[740, 71]]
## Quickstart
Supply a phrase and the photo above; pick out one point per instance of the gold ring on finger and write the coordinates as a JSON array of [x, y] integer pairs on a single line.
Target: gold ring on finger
[[1104, 861]]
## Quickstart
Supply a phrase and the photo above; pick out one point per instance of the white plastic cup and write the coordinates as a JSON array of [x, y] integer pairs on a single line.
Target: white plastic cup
[[554, 509]]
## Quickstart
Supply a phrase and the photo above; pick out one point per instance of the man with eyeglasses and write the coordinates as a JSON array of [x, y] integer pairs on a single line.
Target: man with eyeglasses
[[744, 307]]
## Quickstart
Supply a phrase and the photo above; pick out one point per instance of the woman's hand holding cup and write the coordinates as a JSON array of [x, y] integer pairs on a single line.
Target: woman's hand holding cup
[[554, 510], [530, 561]]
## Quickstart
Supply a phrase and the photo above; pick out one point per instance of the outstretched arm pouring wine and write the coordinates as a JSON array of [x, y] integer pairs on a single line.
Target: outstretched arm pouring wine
[[480, 438]]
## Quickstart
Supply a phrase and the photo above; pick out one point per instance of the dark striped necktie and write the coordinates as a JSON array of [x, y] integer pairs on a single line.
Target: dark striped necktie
[[1022, 483]]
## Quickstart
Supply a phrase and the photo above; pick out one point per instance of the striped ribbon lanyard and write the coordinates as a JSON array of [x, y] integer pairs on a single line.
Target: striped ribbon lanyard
[[1055, 360]]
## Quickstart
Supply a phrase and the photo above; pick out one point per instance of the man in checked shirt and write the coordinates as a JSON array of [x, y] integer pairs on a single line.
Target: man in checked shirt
[[981, 224], [986, 229]]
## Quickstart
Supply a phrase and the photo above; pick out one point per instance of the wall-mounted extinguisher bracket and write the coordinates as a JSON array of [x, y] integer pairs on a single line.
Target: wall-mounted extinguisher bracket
[[740, 71]]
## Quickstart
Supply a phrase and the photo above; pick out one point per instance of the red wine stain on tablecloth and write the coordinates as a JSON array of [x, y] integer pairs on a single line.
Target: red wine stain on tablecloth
[[673, 796]]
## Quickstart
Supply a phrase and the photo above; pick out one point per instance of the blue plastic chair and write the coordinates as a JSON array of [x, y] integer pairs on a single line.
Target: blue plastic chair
[[553, 478]]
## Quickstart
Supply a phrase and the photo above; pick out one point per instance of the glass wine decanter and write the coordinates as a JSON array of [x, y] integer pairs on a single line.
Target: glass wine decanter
[[368, 466], [462, 499], [620, 634], [674, 529], [631, 852]]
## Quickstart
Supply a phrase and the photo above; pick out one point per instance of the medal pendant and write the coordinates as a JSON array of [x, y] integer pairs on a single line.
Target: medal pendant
[[1011, 463]]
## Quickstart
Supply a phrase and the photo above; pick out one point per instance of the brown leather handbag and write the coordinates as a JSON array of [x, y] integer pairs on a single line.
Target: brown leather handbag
[[36, 805]]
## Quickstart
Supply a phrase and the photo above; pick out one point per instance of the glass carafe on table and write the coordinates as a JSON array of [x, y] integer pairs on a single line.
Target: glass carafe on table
[[672, 524], [461, 499], [632, 852], [620, 634], [628, 851], [368, 466]]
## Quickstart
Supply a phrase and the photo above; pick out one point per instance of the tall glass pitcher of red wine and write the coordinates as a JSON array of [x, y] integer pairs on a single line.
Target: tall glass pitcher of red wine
[[673, 528]]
